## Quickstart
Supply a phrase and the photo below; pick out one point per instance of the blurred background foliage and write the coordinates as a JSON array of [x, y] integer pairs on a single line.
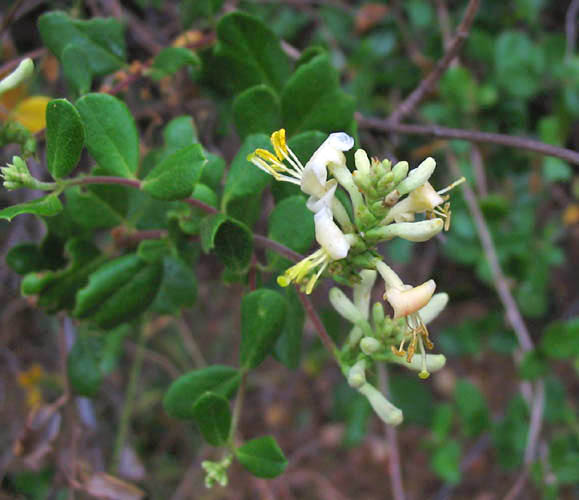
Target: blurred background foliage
[[466, 429]]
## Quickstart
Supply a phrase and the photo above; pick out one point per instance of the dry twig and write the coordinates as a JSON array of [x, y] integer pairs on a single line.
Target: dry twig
[[394, 469], [471, 136], [427, 85], [517, 323]]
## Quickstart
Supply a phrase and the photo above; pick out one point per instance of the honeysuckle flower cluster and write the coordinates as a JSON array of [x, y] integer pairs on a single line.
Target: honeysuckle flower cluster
[[385, 201]]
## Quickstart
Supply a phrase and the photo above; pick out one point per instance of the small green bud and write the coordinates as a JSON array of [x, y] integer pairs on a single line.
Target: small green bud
[[417, 177], [378, 315], [362, 163], [364, 217], [216, 472], [17, 175], [370, 345], [357, 375], [400, 170], [363, 289], [385, 181], [23, 71]]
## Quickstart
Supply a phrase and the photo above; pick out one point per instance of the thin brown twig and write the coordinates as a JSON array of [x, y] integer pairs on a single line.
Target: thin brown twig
[[318, 325], [277, 247], [410, 45], [427, 85], [394, 469], [517, 323], [517, 488], [190, 343], [33, 54], [536, 422], [512, 311], [471, 136]]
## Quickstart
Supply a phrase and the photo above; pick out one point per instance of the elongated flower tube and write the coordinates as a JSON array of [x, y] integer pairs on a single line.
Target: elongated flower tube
[[422, 199], [285, 166], [434, 363], [329, 235], [387, 412], [412, 231], [407, 301], [434, 307], [417, 177], [22, 72]]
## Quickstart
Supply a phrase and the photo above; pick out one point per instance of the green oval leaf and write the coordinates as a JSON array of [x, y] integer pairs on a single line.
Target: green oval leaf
[[561, 339], [212, 415], [178, 288], [292, 225], [323, 106], [111, 133], [25, 258], [187, 389], [231, 240], [245, 179], [172, 59], [101, 39], [76, 68], [46, 206], [179, 133], [262, 457], [64, 137], [175, 177], [288, 348], [57, 289], [89, 210], [262, 319], [249, 53], [257, 110], [119, 291]]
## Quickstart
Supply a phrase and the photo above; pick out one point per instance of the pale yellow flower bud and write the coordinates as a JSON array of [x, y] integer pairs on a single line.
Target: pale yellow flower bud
[[410, 301]]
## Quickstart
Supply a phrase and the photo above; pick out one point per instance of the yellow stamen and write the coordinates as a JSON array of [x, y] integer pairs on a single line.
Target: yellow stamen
[[279, 143], [266, 155], [458, 182]]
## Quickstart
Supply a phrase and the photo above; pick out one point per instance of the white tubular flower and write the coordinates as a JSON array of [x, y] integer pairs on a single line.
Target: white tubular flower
[[334, 245], [410, 299], [344, 306], [363, 290], [407, 301], [285, 166], [22, 72], [387, 412], [422, 199], [434, 307], [434, 363], [329, 235], [315, 173]]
